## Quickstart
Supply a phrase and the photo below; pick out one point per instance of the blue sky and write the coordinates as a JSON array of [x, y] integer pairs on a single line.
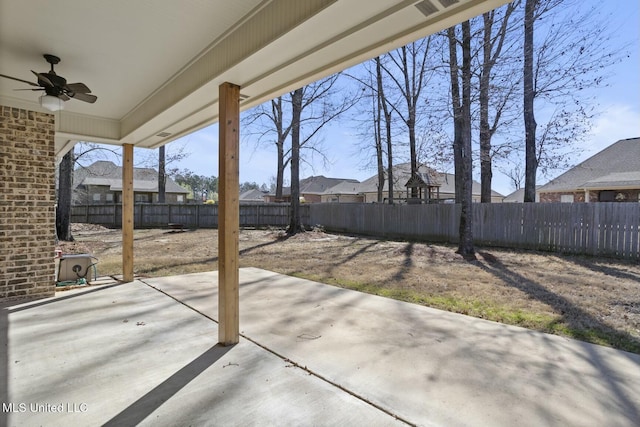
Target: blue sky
[[620, 118]]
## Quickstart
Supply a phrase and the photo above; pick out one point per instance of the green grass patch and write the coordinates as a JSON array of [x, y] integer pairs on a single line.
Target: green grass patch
[[608, 337], [543, 322]]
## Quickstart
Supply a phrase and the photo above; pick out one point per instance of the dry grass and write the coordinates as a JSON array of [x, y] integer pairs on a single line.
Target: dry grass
[[592, 299]]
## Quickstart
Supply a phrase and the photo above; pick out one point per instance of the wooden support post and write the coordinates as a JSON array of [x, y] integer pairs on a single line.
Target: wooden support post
[[127, 213], [229, 215]]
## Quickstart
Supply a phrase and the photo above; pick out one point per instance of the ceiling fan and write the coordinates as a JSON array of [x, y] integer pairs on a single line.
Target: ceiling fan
[[56, 88]]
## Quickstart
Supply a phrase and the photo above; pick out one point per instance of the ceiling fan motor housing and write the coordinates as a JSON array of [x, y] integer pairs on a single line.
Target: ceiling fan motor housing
[[51, 59], [58, 84]]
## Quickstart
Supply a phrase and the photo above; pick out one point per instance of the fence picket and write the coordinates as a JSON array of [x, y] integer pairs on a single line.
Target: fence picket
[[605, 229]]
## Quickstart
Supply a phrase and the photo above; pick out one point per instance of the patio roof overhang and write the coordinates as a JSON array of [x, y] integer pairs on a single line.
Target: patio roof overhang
[[162, 69], [156, 66]]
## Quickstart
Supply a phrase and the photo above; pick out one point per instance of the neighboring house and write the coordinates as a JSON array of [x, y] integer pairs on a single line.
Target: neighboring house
[[431, 184], [101, 182], [443, 185], [518, 196], [253, 196], [320, 189], [612, 175], [346, 191]]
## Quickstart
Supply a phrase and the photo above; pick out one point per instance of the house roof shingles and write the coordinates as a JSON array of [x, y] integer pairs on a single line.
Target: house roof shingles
[[106, 173], [402, 174], [617, 166], [253, 195], [323, 185]]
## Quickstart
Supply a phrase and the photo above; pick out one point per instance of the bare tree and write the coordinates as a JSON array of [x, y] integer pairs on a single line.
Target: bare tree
[[383, 104], [272, 122], [65, 183], [312, 108], [376, 111], [267, 122], [492, 48], [564, 54], [164, 159], [514, 172], [530, 124], [461, 104], [295, 224], [377, 124], [410, 62]]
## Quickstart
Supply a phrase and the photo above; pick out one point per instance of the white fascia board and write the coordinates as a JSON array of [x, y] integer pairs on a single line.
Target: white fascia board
[[267, 59]]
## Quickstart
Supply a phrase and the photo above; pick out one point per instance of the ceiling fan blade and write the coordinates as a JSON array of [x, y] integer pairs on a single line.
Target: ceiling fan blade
[[78, 88], [20, 80], [43, 78], [35, 90], [84, 97], [63, 97]]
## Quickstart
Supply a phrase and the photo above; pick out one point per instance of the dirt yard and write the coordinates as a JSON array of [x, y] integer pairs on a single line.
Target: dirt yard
[[592, 299]]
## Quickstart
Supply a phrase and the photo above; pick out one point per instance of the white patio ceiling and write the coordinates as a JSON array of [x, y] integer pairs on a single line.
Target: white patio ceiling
[[155, 65]]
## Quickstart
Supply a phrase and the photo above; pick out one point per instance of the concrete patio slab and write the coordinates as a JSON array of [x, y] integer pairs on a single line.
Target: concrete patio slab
[[428, 367], [129, 355], [312, 354]]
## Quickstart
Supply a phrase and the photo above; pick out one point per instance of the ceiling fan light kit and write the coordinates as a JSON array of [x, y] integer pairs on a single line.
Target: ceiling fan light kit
[[51, 103], [56, 88]]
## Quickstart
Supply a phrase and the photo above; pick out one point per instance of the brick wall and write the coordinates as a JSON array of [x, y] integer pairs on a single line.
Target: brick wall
[[555, 197], [627, 196], [27, 197]]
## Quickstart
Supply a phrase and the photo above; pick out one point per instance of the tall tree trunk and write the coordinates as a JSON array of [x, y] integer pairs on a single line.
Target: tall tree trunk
[[295, 224], [465, 246], [531, 161], [162, 176], [63, 211], [276, 107], [413, 155], [457, 112], [390, 184], [491, 51], [387, 122], [280, 171], [412, 148], [413, 76], [486, 174], [462, 135], [377, 119]]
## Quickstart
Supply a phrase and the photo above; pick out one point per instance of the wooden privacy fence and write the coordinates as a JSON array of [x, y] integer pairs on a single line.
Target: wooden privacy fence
[[190, 216], [603, 229]]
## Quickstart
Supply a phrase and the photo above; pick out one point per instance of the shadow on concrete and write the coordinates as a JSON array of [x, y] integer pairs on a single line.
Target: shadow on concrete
[[27, 304], [575, 317], [143, 407], [571, 314], [23, 304]]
